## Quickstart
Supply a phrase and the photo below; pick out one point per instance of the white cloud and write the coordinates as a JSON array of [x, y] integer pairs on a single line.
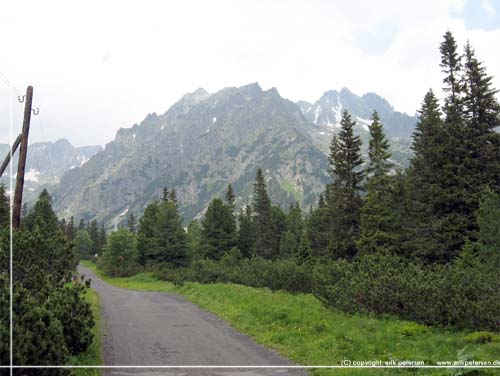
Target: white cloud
[[97, 66], [488, 7]]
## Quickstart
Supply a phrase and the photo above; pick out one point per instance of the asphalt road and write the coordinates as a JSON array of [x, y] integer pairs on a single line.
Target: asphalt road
[[153, 328]]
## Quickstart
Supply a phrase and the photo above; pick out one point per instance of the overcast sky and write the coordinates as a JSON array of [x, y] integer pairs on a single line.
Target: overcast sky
[[97, 66]]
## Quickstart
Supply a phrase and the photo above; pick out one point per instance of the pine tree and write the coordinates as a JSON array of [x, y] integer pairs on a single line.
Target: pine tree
[[344, 198], [146, 235], [482, 116], [132, 223], [102, 239], [378, 149], [246, 233], [169, 236], [70, 229], [81, 225], [4, 208], [290, 241], [262, 219], [378, 216], [451, 64], [218, 230], [318, 228], [165, 194], [42, 216], [230, 199], [94, 235], [488, 218], [173, 196]]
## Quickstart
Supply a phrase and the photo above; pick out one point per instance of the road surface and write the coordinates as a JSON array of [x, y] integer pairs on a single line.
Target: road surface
[[153, 328]]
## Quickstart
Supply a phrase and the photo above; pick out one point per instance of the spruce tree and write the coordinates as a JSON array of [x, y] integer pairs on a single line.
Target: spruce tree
[[165, 194], [378, 216], [173, 196], [290, 241], [262, 219], [482, 117], [146, 235], [70, 229], [132, 223], [169, 236], [230, 199], [218, 230], [378, 149], [318, 228], [344, 198], [94, 235], [102, 239], [246, 232]]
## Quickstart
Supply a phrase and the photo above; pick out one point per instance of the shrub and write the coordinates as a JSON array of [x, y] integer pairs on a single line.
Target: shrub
[[413, 329], [480, 337]]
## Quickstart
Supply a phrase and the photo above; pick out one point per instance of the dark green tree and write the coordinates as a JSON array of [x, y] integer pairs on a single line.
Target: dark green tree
[[70, 229], [146, 234], [230, 199], [261, 207], [488, 218], [94, 235], [132, 223], [318, 228], [173, 196], [218, 230], [378, 149], [169, 237], [344, 199], [246, 232]]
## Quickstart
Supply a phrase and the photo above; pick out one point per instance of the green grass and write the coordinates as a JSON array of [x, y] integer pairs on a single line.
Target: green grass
[[93, 355], [302, 329]]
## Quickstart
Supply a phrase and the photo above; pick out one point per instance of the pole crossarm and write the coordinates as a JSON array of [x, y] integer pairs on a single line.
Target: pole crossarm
[[11, 153]]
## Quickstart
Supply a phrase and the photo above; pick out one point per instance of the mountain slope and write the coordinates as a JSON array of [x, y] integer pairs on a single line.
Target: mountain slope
[[201, 144], [326, 114], [47, 161]]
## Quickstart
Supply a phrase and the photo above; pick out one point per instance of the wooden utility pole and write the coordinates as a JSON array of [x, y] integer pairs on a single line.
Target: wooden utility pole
[[11, 153], [18, 196]]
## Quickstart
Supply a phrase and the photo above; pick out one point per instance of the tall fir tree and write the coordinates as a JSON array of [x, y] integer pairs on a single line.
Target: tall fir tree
[[290, 241], [318, 228], [146, 235], [218, 229], [94, 235], [378, 216], [378, 149], [173, 196], [246, 232], [169, 236], [132, 223], [70, 229], [261, 208], [230, 199], [344, 194], [482, 117]]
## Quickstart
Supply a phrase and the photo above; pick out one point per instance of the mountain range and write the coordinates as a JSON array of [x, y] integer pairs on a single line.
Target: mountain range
[[46, 163], [206, 141]]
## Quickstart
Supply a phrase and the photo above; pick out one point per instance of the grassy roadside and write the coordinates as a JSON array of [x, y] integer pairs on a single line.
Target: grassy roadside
[[302, 329], [93, 355]]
